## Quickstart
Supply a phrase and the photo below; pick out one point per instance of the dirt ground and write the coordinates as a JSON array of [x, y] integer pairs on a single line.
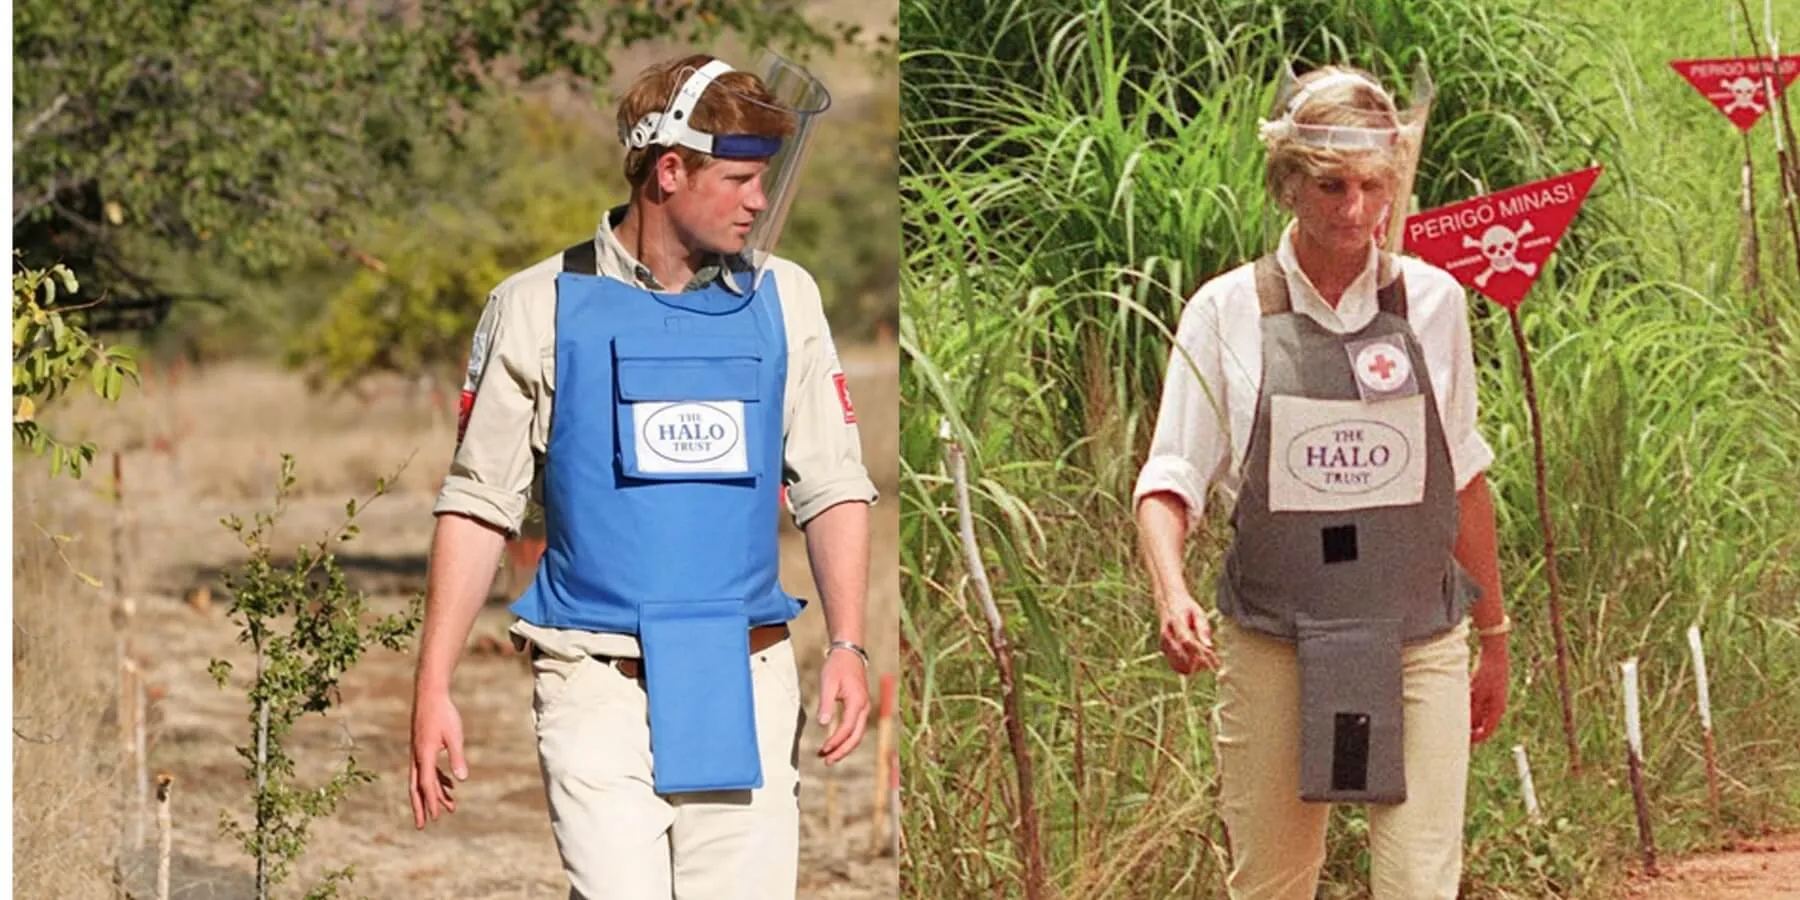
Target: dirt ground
[[1750, 870], [208, 446]]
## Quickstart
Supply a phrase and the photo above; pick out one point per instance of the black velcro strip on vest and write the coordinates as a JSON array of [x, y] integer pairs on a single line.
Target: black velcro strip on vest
[[1350, 752], [1338, 543], [581, 259]]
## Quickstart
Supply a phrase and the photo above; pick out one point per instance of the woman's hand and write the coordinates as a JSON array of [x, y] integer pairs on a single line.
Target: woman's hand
[[1186, 635], [1487, 690]]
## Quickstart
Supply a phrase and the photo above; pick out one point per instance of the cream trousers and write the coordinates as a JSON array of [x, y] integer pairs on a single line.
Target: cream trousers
[[1277, 840], [619, 839]]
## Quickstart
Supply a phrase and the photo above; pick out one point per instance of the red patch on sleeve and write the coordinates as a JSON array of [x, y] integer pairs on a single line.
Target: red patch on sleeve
[[843, 392], [463, 407]]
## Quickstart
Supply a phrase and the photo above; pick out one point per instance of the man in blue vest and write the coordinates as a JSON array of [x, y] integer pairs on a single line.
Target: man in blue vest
[[666, 379]]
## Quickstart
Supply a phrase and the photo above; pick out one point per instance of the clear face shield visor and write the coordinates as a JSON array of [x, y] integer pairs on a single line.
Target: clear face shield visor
[[1402, 142], [794, 97]]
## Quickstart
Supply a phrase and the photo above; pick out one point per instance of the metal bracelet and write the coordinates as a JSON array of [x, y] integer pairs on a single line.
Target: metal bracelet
[[851, 646]]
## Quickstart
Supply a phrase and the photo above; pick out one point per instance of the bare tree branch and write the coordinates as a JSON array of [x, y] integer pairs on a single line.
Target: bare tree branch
[[31, 127], [25, 205]]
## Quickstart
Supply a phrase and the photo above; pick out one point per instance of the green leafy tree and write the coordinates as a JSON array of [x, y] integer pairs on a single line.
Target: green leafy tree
[[531, 182], [298, 668], [252, 128], [51, 356]]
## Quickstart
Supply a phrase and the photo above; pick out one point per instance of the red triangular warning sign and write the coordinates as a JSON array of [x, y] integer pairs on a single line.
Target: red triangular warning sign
[[1736, 85], [1497, 244]]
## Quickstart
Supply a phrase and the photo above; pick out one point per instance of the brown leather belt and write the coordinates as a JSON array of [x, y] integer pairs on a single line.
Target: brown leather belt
[[762, 637]]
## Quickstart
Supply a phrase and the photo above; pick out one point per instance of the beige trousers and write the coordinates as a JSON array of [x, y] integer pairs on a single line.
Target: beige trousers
[[619, 839], [1278, 840]]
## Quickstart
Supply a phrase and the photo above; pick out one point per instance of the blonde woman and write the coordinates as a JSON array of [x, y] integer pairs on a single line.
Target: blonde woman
[[1327, 391]]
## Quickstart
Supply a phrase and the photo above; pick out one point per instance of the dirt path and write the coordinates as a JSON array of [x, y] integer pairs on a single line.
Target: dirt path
[[499, 844], [1752, 870]]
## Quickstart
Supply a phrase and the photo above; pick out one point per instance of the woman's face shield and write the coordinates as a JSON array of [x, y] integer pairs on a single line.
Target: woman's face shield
[[1403, 141], [781, 121]]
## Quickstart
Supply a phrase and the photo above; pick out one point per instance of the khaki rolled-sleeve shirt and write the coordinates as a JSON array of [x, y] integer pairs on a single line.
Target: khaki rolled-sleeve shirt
[[504, 427]]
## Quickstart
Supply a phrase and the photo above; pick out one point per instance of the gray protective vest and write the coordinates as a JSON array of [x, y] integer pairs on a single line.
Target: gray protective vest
[[1351, 584]]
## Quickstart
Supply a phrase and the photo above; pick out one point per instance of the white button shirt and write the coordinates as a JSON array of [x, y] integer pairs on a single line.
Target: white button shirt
[[1215, 370]]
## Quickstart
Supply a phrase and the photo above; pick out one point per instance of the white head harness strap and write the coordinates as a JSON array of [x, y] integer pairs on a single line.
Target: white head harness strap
[[1330, 137], [671, 128]]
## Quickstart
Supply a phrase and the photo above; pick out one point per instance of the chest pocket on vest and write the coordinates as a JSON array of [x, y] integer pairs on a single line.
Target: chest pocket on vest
[[688, 407]]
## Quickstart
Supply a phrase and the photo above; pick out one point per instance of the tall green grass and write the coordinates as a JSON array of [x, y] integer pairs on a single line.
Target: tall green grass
[[1071, 172]]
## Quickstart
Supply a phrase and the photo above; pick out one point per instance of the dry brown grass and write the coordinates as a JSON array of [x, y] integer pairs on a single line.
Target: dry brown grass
[[220, 431], [65, 749], [209, 447]]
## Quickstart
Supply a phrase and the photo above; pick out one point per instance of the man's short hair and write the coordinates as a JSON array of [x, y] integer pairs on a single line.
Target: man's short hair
[[734, 103]]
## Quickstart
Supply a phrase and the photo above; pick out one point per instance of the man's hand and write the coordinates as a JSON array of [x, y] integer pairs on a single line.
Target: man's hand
[[1487, 690], [436, 725], [844, 678], [464, 552], [1186, 635]]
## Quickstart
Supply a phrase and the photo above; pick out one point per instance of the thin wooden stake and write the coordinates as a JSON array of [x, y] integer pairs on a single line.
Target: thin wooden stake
[[1750, 248], [1634, 741], [884, 747], [1029, 848], [130, 825], [1558, 632], [1780, 124], [140, 754], [1704, 697], [1778, 94], [262, 785], [165, 833], [118, 526], [894, 800], [1525, 785]]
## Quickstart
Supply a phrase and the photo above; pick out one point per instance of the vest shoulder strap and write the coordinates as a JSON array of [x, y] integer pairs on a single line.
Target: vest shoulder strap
[[1392, 299], [581, 259], [1271, 287]]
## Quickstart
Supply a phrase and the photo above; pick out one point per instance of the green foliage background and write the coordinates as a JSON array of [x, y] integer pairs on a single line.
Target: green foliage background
[[52, 357], [340, 186], [1073, 171]]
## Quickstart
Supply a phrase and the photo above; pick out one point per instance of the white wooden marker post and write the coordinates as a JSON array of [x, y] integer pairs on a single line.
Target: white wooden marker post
[[1531, 801], [164, 833], [131, 824], [1706, 726], [1634, 739], [140, 750]]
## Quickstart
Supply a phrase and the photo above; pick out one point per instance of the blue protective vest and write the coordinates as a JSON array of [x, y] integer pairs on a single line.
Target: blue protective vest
[[661, 494]]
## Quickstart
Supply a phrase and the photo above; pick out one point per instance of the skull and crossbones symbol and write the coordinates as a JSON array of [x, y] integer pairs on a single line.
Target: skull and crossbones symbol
[[1743, 94], [1499, 245]]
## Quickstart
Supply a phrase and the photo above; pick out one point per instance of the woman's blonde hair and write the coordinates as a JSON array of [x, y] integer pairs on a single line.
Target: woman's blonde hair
[[735, 103], [1358, 103]]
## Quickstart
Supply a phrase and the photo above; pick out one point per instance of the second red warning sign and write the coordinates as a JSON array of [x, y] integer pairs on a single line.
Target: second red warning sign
[[1739, 86], [1497, 243]]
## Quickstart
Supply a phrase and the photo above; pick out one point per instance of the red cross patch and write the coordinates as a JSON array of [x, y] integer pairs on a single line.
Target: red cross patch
[[463, 407], [1382, 366], [843, 392]]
